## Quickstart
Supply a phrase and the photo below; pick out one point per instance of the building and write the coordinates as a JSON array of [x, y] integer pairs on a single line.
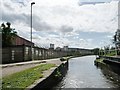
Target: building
[[80, 50], [65, 48], [51, 46], [22, 41]]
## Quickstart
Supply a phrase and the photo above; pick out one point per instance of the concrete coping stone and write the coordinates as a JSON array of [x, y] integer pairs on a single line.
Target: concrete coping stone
[[22, 63], [113, 61], [26, 63]]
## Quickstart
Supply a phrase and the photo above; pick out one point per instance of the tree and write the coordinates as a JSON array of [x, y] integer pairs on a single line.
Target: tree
[[96, 51], [116, 41], [115, 38], [8, 34]]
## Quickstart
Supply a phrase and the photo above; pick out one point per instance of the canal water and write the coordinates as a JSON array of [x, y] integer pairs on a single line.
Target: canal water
[[83, 73]]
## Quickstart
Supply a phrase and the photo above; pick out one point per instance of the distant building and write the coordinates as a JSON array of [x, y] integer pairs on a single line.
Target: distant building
[[73, 49], [51, 46], [65, 48], [22, 41], [80, 50]]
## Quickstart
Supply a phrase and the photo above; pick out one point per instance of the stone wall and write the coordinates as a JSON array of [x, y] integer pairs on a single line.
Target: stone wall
[[53, 79], [110, 69]]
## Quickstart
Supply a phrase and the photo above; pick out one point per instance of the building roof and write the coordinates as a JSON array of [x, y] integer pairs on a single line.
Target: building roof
[[24, 39]]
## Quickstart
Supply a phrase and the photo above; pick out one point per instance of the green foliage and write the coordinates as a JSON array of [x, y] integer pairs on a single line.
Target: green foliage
[[25, 78], [99, 60], [96, 51], [114, 38], [111, 54], [8, 34], [64, 58], [58, 74]]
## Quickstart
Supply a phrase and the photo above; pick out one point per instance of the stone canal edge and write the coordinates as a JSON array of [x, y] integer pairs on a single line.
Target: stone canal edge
[[51, 77]]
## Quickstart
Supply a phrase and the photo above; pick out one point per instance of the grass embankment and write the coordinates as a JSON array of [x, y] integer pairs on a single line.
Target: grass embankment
[[100, 60], [25, 78], [113, 53]]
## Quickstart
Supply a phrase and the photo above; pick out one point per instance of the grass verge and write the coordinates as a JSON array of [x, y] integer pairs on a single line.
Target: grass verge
[[25, 78], [100, 60]]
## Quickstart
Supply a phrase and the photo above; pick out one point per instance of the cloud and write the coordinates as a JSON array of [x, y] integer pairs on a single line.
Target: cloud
[[61, 21], [66, 29], [25, 18], [87, 17], [86, 3]]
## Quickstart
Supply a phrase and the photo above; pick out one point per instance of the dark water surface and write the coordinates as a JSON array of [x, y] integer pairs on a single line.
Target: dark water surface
[[83, 73]]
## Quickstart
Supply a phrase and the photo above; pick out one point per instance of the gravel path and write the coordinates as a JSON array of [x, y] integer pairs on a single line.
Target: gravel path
[[10, 69]]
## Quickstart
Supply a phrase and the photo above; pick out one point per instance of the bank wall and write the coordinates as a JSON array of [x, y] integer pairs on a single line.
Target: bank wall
[[110, 70], [53, 79]]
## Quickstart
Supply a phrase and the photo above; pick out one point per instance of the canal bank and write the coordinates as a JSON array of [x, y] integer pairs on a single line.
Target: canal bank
[[109, 68], [51, 77]]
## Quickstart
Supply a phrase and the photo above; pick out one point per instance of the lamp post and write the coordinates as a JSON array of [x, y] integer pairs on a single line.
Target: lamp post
[[31, 19], [31, 28]]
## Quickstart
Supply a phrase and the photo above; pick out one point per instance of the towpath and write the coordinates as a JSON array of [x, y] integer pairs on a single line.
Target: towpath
[[8, 69]]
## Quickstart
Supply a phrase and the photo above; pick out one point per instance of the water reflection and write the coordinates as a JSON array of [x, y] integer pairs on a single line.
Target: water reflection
[[83, 74]]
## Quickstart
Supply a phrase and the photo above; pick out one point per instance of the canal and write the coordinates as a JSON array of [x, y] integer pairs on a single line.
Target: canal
[[83, 73]]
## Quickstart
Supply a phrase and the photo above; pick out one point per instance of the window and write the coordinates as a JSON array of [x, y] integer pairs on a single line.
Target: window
[[13, 54], [26, 50]]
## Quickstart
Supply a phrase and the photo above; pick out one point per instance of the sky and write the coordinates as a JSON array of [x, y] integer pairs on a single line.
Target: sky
[[72, 23]]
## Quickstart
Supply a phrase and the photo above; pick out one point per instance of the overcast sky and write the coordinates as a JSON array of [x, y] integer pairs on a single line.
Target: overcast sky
[[64, 22]]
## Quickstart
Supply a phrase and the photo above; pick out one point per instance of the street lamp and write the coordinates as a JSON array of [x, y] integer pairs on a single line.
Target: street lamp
[[31, 19], [31, 28]]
